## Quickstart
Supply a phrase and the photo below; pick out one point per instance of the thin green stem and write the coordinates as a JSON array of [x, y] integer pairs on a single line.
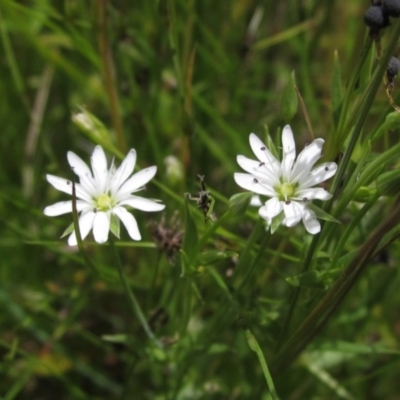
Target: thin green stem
[[132, 298], [253, 344], [256, 261]]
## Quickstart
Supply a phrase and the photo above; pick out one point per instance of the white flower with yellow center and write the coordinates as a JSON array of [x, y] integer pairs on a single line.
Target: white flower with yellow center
[[289, 183], [103, 194]]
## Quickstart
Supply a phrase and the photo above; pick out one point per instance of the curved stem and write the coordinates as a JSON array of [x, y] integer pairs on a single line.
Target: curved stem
[[132, 298]]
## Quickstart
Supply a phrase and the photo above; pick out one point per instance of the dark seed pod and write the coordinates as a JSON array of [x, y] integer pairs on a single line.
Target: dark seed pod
[[393, 67], [392, 8], [376, 18]]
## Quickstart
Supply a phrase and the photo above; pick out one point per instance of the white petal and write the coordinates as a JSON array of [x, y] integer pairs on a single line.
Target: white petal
[[142, 204], [293, 213], [259, 169], [289, 151], [85, 225], [64, 185], [263, 154], [255, 201], [99, 167], [248, 182], [101, 227], [64, 207], [306, 159], [78, 165], [124, 170], [319, 174], [137, 181], [271, 208], [129, 221], [313, 193], [310, 222]]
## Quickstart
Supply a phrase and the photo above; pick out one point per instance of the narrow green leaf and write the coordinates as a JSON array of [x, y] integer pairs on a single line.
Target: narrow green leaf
[[337, 91], [321, 214], [239, 203], [388, 183], [289, 101]]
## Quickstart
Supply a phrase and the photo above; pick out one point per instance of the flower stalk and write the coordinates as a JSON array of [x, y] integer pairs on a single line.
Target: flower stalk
[[131, 295]]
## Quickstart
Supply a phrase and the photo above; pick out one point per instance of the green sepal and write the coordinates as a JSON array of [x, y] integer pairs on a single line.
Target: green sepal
[[115, 225], [321, 214], [68, 231], [276, 221], [239, 203], [269, 143], [289, 101]]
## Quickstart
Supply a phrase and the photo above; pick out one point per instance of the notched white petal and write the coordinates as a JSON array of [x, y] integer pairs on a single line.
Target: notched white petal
[[64, 207], [142, 204], [271, 208], [137, 181], [289, 151], [65, 185], [263, 154], [85, 226], [293, 213], [101, 227], [319, 174], [124, 171], [78, 165], [249, 182], [259, 169], [307, 158], [129, 222], [310, 222], [99, 167], [313, 194]]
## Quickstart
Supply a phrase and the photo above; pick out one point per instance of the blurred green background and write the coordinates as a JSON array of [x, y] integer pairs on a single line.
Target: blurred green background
[[183, 82]]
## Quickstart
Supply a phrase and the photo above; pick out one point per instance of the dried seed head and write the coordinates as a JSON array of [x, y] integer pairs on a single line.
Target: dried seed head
[[168, 236]]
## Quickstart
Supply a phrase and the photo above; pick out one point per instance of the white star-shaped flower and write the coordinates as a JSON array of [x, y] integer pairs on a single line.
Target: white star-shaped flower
[[103, 193], [289, 183]]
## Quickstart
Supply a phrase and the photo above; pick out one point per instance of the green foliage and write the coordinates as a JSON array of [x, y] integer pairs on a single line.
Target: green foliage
[[202, 307]]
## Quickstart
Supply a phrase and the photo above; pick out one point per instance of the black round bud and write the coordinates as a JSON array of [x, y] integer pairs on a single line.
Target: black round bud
[[392, 8], [376, 18], [393, 67]]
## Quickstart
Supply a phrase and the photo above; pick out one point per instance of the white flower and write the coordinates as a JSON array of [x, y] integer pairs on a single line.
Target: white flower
[[102, 194], [289, 183]]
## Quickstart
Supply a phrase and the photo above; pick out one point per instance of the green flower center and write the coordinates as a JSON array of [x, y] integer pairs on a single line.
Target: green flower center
[[104, 202], [286, 191]]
